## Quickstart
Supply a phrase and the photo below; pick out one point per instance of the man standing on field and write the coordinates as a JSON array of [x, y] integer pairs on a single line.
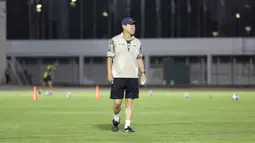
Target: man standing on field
[[124, 59]]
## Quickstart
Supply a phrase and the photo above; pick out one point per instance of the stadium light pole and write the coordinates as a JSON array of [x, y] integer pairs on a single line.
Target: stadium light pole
[[30, 3], [38, 10], [95, 19], [81, 19], [238, 16], [128, 7], [50, 19], [158, 11], [172, 18], [142, 18], [179, 18], [221, 14], [204, 29], [189, 10], [43, 23], [109, 20], [198, 20]]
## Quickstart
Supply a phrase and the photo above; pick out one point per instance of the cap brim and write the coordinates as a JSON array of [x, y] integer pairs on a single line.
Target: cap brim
[[133, 22]]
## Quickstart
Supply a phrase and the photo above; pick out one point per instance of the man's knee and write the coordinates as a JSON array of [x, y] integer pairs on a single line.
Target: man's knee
[[117, 102], [129, 103], [50, 83]]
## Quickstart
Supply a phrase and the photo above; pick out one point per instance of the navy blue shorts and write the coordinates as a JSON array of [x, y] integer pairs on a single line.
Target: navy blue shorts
[[47, 79], [125, 86]]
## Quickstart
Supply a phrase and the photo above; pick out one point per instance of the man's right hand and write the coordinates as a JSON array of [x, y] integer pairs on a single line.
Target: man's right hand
[[110, 78]]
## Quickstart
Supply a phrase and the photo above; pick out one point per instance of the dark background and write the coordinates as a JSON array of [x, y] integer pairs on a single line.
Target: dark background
[[155, 18]]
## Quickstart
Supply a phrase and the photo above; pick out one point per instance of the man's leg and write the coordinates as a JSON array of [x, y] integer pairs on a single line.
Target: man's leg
[[131, 94], [129, 112], [45, 82], [44, 85], [116, 114], [117, 94], [116, 109], [50, 84], [49, 78]]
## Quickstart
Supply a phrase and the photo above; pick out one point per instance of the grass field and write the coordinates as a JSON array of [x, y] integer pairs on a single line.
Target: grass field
[[165, 117]]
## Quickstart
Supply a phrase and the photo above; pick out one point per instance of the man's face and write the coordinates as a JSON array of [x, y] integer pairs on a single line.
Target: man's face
[[130, 28]]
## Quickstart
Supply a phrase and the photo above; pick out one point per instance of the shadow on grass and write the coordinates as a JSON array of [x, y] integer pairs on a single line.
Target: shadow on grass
[[106, 127]]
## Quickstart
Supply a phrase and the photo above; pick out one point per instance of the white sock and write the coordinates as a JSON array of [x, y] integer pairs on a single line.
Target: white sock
[[127, 123], [116, 117]]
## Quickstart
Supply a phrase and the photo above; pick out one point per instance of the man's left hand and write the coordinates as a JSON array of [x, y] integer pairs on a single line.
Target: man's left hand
[[143, 79]]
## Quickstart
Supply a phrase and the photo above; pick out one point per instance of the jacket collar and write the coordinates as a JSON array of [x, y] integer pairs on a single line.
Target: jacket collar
[[122, 35]]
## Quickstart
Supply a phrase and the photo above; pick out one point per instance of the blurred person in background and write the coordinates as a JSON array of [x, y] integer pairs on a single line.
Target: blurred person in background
[[48, 75], [7, 75]]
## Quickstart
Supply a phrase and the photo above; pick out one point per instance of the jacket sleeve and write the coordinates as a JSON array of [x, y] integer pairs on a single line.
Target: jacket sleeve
[[111, 49], [140, 54]]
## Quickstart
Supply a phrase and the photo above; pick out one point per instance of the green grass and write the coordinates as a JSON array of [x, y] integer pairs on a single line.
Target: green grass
[[165, 117]]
